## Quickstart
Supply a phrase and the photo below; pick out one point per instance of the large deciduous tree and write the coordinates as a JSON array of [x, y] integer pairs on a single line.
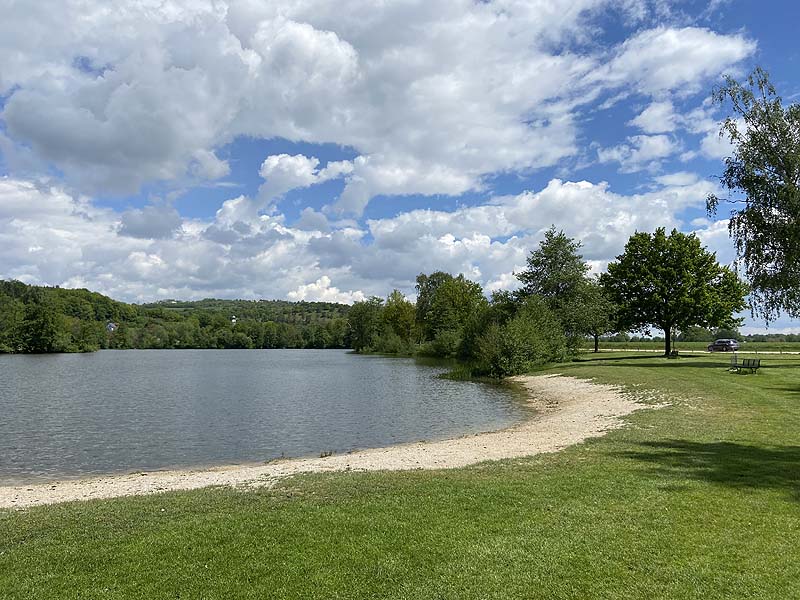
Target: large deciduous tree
[[763, 176], [41, 324], [426, 290], [672, 282], [399, 316], [452, 305], [557, 274], [555, 271], [591, 311], [364, 321]]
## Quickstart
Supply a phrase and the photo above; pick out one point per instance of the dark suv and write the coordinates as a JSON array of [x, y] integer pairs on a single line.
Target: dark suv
[[723, 346]]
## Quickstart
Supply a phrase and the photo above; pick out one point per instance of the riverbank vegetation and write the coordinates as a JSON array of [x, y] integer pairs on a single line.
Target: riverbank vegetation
[[51, 319], [698, 499]]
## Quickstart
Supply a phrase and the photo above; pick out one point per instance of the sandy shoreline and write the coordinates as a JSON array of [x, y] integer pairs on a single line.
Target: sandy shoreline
[[570, 411]]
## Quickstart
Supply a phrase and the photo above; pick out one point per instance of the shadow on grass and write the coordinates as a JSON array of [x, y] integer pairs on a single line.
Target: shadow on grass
[[725, 463], [655, 360], [684, 360], [790, 389]]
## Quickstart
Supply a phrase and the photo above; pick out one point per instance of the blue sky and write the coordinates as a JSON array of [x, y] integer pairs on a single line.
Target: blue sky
[[321, 152]]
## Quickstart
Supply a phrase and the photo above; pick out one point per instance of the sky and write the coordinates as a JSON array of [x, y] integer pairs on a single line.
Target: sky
[[317, 150]]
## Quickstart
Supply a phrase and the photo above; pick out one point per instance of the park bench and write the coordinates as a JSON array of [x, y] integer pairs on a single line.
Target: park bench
[[752, 364]]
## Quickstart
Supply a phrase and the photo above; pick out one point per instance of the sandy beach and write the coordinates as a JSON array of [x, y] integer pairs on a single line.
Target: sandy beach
[[568, 411]]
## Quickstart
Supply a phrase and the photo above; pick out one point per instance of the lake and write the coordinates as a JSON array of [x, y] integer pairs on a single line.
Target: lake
[[119, 411]]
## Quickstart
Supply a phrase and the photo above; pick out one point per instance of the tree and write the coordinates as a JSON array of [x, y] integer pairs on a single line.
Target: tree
[[672, 282], [764, 176], [696, 334], [555, 270], [364, 319], [452, 304], [399, 316], [11, 315], [426, 289], [591, 311], [726, 333], [557, 273], [40, 330]]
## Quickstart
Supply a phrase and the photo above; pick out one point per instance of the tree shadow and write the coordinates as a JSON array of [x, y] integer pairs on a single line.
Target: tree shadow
[[725, 463], [790, 389], [684, 360], [600, 356], [656, 360]]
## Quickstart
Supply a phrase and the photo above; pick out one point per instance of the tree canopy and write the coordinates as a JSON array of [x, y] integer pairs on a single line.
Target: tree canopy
[[426, 291], [454, 301], [554, 270], [557, 274], [672, 282], [364, 321], [591, 311], [763, 175]]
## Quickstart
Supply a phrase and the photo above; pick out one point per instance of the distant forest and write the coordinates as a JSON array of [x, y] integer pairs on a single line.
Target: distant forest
[[37, 319]]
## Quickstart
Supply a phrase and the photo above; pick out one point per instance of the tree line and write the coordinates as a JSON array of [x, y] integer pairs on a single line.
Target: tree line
[[667, 282], [36, 319], [661, 281]]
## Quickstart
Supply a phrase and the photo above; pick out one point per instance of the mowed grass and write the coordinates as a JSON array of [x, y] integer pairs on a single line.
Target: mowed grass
[[697, 500], [650, 345]]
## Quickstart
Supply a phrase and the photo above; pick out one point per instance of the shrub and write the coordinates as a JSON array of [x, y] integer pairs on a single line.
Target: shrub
[[532, 337], [391, 343], [446, 343]]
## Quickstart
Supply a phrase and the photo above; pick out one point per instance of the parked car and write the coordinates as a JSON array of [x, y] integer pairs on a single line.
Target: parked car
[[723, 346]]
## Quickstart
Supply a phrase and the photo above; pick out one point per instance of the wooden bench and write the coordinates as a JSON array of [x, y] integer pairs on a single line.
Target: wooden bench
[[752, 364]]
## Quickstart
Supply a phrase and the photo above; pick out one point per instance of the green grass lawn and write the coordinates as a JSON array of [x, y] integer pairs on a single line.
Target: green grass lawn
[[697, 500], [753, 347]]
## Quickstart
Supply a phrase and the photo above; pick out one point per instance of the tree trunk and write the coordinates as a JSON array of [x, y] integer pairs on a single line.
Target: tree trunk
[[667, 340], [596, 343]]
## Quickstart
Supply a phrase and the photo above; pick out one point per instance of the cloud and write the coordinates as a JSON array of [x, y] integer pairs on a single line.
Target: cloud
[[666, 59], [680, 178], [208, 166], [283, 172], [52, 237], [118, 99], [715, 146], [322, 291], [382, 175], [704, 122], [659, 117], [312, 220], [640, 152], [150, 222]]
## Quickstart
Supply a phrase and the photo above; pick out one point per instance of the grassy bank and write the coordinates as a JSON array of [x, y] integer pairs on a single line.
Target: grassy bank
[[701, 499]]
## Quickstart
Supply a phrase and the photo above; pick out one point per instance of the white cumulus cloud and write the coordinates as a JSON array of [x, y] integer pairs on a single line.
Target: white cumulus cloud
[[432, 95], [639, 152], [322, 291]]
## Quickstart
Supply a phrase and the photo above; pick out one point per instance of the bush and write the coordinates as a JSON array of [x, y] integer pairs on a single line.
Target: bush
[[446, 343], [533, 337], [391, 343]]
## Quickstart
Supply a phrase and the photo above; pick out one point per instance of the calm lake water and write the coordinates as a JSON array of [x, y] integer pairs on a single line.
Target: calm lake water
[[117, 411]]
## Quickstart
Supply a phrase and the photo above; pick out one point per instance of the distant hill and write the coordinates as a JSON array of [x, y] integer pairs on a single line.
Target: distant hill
[[280, 311], [53, 319]]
